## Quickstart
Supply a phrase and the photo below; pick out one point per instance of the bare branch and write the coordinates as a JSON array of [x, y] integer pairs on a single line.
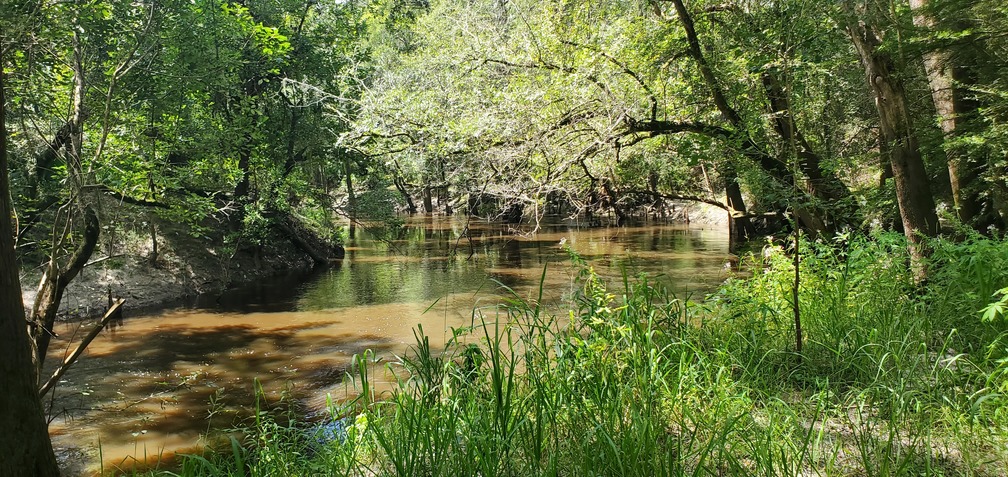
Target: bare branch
[[114, 311]]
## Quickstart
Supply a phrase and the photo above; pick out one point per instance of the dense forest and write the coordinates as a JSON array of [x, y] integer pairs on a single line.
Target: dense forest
[[833, 126]]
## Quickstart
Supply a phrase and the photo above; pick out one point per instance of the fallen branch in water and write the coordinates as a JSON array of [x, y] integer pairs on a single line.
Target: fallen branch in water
[[114, 311]]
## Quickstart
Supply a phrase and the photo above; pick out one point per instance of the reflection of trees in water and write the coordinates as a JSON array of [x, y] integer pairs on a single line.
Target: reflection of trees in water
[[511, 254], [423, 268], [182, 365], [421, 277], [542, 255], [417, 270]]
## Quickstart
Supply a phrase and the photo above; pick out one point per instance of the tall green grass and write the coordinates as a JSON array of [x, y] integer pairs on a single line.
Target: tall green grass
[[894, 379]]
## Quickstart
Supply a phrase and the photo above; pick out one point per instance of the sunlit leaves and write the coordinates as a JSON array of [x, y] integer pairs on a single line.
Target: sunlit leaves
[[270, 42]]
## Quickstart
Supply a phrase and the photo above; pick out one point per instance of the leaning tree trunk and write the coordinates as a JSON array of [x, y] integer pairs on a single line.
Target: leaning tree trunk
[[777, 170], [949, 107], [50, 295], [899, 144], [25, 448], [401, 187], [823, 183]]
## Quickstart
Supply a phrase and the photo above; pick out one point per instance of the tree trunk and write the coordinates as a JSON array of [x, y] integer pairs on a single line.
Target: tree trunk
[[949, 108], [739, 226], [885, 171], [444, 192], [775, 169], [244, 163], [428, 202], [612, 199], [25, 449], [899, 144], [401, 187], [351, 198], [75, 165], [291, 159], [50, 294], [823, 183], [44, 161]]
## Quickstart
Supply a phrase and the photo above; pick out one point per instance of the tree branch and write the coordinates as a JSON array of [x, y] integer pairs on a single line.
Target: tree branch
[[113, 311], [626, 69], [691, 198]]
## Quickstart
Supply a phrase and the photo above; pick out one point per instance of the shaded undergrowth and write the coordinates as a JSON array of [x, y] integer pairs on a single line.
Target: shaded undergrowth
[[894, 379]]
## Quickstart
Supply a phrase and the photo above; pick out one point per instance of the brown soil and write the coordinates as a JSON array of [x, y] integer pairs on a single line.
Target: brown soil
[[187, 265]]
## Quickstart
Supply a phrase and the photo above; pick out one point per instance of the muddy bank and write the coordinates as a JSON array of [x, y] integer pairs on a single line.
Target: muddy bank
[[187, 265], [193, 263], [698, 213]]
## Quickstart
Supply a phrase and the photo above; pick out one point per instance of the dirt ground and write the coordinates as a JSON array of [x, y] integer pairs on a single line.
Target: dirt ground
[[187, 265]]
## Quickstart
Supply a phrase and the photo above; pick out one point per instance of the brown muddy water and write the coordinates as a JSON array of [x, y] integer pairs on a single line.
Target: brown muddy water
[[153, 386]]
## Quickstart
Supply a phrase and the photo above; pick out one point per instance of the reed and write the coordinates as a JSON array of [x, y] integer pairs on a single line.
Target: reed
[[893, 379]]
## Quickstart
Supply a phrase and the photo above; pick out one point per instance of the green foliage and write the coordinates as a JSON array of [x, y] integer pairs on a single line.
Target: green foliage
[[379, 204], [996, 310]]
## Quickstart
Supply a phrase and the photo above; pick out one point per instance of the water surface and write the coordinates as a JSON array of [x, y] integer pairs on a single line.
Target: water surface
[[152, 386]]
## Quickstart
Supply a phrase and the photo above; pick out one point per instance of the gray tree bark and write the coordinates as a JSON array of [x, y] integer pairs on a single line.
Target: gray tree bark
[[899, 144], [949, 107]]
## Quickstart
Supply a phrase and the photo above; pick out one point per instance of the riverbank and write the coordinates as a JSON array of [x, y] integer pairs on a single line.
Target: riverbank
[[191, 264], [188, 264], [145, 388], [892, 379]]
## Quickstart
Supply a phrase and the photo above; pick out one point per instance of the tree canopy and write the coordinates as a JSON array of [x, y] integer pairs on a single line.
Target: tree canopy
[[293, 117]]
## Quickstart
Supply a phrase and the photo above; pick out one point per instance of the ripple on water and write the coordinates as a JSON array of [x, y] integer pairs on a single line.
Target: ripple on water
[[145, 391]]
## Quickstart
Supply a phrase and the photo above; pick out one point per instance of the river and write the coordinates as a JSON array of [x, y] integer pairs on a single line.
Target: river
[[154, 385]]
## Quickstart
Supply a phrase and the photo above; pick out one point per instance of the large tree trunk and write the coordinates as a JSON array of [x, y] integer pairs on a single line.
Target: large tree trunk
[[899, 144], [25, 449], [949, 107]]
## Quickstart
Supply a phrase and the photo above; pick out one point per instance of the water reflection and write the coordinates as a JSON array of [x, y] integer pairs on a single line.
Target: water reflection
[[146, 388]]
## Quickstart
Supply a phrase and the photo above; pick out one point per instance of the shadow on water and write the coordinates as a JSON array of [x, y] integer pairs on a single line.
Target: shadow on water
[[153, 385], [150, 384], [269, 295]]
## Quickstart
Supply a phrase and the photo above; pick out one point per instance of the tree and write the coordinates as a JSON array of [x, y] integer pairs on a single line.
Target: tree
[[898, 140], [945, 78], [564, 97], [962, 48], [25, 449]]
